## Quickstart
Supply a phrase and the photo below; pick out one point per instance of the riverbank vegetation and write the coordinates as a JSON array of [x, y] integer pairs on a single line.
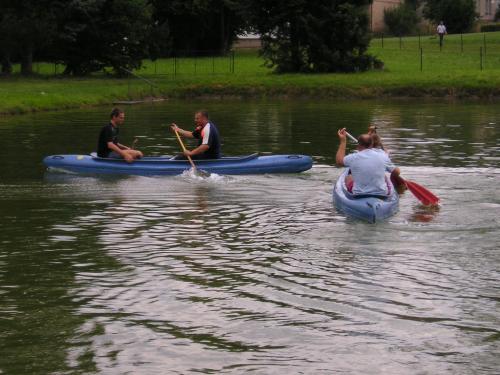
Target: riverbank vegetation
[[467, 66]]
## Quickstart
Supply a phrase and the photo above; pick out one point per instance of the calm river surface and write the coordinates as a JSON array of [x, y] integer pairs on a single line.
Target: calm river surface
[[251, 274]]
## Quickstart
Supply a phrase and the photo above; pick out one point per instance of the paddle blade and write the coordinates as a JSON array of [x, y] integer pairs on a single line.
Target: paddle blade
[[422, 194]]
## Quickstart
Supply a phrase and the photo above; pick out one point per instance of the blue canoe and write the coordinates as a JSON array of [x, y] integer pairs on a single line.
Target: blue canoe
[[371, 209], [250, 164]]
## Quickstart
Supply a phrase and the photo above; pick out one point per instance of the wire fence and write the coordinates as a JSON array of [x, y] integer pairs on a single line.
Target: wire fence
[[458, 52], [451, 42], [177, 64]]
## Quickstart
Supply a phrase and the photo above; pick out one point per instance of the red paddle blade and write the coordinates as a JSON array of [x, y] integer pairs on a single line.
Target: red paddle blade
[[424, 195]]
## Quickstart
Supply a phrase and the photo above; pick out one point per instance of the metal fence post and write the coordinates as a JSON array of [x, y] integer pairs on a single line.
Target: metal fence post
[[400, 42], [484, 43], [481, 57], [462, 43], [382, 40], [421, 59], [128, 86], [233, 61]]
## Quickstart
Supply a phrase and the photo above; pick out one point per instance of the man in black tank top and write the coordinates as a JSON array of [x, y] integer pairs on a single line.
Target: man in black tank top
[[108, 145]]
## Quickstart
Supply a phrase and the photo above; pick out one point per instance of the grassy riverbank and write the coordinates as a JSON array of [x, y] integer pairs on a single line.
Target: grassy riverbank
[[412, 67]]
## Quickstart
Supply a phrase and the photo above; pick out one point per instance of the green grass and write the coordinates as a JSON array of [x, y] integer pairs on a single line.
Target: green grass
[[454, 71]]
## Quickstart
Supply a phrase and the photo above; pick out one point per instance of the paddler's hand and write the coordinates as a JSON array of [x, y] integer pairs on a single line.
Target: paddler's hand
[[342, 135], [372, 129], [188, 153], [128, 158], [174, 127]]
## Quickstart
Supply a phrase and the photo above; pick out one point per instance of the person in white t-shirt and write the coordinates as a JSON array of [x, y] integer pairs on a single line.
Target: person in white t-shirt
[[368, 167], [441, 30]]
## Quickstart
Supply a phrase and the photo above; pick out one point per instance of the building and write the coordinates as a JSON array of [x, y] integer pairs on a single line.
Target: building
[[247, 40], [487, 9]]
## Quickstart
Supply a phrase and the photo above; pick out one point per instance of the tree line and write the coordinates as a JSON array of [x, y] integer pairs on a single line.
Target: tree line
[[87, 36]]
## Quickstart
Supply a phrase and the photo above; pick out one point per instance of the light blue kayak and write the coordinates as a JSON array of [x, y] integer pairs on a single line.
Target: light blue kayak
[[250, 164], [371, 209]]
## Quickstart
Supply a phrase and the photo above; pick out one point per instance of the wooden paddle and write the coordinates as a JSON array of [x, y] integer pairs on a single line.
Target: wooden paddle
[[422, 194], [184, 149], [196, 170]]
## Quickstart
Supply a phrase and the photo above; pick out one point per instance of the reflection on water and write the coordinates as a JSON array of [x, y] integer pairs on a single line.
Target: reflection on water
[[236, 274]]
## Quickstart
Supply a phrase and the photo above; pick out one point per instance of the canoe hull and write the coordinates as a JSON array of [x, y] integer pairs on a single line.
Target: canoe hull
[[252, 164], [371, 209]]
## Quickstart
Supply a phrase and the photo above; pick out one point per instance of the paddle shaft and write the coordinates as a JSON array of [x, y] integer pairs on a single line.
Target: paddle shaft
[[184, 149], [351, 137]]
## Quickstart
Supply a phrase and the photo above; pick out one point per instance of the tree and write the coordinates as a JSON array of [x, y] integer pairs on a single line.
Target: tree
[[458, 15], [312, 36], [401, 20], [414, 4], [7, 45], [198, 25], [94, 34], [26, 27]]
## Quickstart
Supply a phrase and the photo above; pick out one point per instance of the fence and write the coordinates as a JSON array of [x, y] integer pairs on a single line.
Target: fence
[[480, 51], [179, 63], [459, 52]]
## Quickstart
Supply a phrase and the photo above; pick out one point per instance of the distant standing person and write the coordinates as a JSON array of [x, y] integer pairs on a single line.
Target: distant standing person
[[108, 145], [441, 30], [207, 135]]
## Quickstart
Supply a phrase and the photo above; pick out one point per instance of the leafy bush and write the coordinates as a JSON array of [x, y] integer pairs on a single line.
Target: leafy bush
[[401, 20], [490, 27], [458, 15]]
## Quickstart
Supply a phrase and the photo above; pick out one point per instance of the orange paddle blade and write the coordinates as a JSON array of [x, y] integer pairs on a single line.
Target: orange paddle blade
[[424, 195]]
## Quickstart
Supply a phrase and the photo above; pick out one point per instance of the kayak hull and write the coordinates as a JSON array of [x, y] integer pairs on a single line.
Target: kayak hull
[[371, 209], [150, 166]]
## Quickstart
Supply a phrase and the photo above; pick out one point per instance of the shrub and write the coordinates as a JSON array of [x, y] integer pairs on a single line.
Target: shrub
[[490, 27], [401, 20], [458, 15]]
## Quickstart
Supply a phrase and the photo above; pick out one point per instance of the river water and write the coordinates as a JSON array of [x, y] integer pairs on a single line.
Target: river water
[[251, 274]]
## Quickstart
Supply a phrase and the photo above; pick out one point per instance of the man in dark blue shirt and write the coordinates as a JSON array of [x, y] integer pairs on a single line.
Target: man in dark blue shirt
[[207, 135]]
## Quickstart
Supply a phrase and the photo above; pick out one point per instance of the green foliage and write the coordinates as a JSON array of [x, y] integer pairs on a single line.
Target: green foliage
[[490, 27], [312, 36], [197, 25], [26, 27], [458, 15], [401, 20], [94, 34], [413, 4]]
